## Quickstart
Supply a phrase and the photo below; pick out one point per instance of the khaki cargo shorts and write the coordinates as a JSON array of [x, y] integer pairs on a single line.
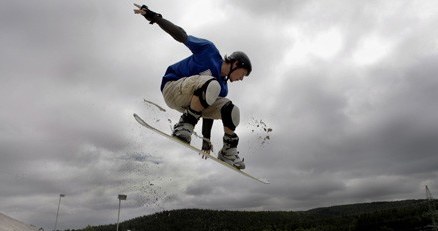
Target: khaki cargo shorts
[[178, 95]]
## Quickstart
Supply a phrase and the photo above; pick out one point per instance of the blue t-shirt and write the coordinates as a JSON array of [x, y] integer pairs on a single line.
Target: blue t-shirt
[[205, 60]]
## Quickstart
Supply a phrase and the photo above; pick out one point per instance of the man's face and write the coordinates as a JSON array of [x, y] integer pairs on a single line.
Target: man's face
[[238, 74]]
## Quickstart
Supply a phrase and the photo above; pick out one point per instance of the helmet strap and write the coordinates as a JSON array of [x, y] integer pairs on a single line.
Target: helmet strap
[[231, 71]]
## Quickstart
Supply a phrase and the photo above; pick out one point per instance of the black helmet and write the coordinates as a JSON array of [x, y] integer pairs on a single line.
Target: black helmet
[[242, 60]]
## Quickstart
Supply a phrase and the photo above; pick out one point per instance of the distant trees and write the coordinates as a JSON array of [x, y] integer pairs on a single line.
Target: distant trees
[[378, 216]]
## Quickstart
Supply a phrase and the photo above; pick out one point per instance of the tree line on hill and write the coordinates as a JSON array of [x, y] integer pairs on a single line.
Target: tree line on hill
[[409, 215]]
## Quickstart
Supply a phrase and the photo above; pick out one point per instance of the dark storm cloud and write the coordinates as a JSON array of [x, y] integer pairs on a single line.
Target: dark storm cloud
[[347, 87]]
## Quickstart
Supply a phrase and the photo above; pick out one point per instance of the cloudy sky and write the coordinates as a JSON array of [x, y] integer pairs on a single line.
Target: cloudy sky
[[348, 88]]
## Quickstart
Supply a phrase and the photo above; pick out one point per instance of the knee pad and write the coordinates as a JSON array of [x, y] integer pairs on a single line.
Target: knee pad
[[230, 116], [208, 93]]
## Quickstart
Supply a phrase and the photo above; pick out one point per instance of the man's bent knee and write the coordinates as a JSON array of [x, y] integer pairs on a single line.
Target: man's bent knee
[[208, 93], [230, 116]]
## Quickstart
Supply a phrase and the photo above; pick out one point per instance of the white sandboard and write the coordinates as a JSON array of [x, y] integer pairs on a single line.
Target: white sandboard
[[197, 150]]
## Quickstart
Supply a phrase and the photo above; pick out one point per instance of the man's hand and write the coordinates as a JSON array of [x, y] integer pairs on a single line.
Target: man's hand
[[139, 10], [206, 147], [148, 14]]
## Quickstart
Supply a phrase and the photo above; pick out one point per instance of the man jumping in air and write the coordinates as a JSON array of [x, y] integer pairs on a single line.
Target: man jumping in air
[[197, 86]]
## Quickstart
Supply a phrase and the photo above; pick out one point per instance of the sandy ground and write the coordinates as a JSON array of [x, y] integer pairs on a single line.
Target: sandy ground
[[10, 224]]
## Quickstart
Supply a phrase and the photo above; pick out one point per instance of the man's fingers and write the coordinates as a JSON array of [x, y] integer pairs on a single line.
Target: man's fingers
[[204, 154], [139, 12]]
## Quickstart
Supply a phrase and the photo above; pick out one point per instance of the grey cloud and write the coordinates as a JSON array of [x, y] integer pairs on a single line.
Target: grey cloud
[[344, 131]]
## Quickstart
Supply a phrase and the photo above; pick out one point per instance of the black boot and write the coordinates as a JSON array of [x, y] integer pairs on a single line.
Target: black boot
[[229, 153], [184, 128]]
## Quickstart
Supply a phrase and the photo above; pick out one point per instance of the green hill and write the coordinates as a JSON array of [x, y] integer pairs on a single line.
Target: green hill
[[406, 215]]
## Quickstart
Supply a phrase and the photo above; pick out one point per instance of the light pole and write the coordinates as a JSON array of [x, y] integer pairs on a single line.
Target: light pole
[[57, 212], [121, 197]]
